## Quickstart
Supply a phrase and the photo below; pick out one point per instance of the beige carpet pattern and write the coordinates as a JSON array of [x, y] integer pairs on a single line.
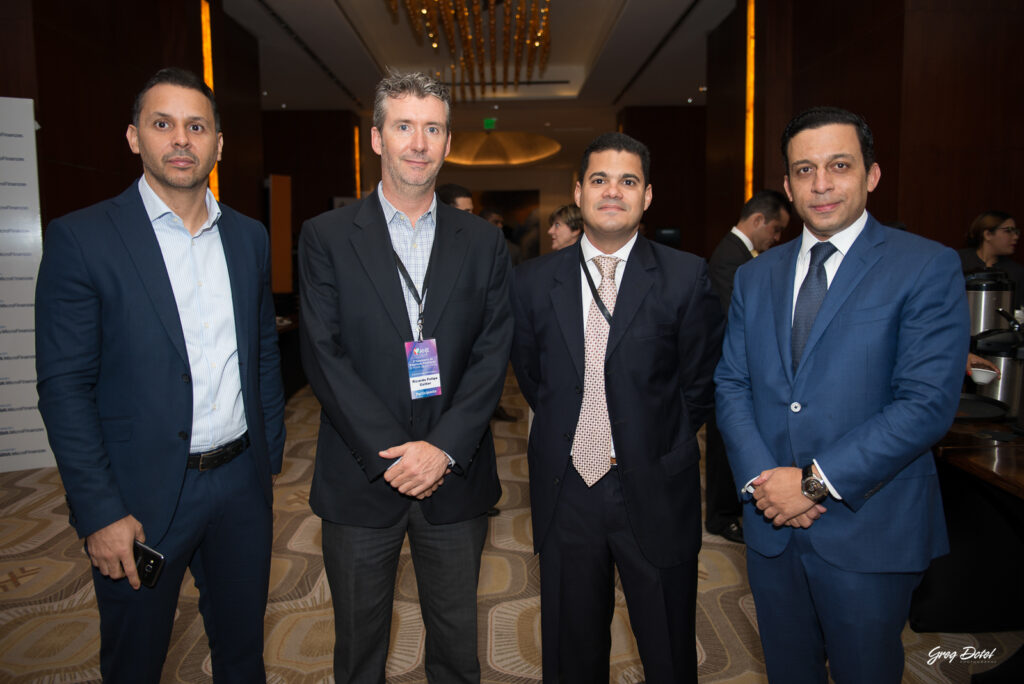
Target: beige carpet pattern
[[49, 626]]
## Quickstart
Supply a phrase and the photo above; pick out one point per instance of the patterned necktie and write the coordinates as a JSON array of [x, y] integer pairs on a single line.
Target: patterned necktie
[[812, 293], [592, 444]]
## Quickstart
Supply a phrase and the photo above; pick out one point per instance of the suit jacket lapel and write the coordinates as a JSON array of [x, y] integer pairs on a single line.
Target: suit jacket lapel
[[231, 241], [782, 274], [863, 254], [132, 223], [372, 245], [567, 301], [446, 258], [637, 279]]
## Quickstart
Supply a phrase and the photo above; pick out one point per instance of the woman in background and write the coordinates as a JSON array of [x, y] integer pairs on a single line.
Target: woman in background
[[991, 240], [566, 226]]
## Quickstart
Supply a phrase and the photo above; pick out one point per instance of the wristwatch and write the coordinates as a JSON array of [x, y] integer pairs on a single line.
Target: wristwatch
[[813, 486]]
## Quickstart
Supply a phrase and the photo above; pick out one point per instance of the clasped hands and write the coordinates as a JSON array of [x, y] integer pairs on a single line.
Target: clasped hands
[[421, 470], [780, 498]]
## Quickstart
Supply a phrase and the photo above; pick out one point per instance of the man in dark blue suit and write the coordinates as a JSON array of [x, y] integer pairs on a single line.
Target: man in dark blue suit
[[160, 388], [841, 366], [616, 340]]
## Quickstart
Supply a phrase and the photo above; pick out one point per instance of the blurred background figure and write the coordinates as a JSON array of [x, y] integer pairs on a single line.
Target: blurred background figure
[[456, 196], [991, 240], [565, 226]]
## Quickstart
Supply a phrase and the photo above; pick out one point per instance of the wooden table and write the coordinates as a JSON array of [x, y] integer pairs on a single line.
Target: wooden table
[[971, 447]]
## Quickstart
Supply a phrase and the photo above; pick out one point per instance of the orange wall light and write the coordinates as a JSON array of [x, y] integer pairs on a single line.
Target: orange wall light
[[208, 78]]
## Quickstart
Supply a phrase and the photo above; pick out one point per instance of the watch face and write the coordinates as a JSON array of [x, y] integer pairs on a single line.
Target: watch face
[[813, 489]]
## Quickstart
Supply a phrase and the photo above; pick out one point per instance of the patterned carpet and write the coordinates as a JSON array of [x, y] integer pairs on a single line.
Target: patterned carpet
[[49, 628]]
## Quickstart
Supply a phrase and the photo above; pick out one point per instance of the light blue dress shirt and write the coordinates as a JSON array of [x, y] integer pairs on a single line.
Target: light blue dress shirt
[[413, 245], [198, 272]]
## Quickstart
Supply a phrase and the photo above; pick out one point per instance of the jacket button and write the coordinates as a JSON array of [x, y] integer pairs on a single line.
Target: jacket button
[[185, 378], [556, 481], [795, 407], [182, 435]]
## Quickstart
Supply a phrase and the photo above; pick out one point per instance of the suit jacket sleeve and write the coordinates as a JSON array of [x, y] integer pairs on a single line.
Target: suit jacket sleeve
[[700, 352], [933, 336], [271, 386], [524, 353], [722, 269], [463, 424], [68, 339], [734, 404], [351, 405]]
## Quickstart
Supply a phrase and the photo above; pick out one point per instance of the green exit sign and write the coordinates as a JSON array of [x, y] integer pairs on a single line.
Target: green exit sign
[[490, 123]]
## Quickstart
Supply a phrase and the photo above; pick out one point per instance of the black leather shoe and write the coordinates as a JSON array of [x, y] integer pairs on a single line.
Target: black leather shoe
[[733, 532]]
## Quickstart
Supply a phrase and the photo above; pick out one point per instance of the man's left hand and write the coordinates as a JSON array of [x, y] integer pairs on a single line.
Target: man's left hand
[[420, 471], [779, 495]]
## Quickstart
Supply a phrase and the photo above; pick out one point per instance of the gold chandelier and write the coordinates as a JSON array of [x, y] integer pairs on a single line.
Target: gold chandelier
[[526, 32]]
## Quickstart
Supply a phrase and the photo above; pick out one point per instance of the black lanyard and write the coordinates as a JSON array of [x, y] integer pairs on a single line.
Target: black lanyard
[[597, 298], [414, 292]]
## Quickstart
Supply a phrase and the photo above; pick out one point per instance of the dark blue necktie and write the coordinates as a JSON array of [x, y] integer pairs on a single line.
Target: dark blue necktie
[[812, 293]]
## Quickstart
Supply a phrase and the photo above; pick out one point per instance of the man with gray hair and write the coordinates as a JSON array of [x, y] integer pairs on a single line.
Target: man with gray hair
[[406, 330]]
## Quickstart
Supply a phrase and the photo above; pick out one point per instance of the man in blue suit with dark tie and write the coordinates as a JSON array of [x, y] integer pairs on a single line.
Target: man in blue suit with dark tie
[[841, 367], [160, 387]]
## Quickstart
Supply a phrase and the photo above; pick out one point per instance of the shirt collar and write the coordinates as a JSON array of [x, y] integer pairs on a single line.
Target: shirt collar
[[156, 208], [742, 236], [842, 240], [590, 251], [390, 210]]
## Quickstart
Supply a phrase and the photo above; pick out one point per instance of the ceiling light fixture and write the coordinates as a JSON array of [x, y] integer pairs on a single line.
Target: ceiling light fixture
[[525, 33]]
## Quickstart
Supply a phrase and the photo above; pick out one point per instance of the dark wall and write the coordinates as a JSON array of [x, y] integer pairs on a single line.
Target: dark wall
[[83, 64], [936, 80], [315, 148], [236, 79], [962, 139], [726, 102], [675, 136]]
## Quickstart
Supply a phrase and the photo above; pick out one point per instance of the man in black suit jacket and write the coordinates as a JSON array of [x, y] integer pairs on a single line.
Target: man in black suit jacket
[[404, 445], [613, 452], [762, 220]]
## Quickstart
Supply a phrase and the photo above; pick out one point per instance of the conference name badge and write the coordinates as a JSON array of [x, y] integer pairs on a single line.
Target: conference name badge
[[424, 369]]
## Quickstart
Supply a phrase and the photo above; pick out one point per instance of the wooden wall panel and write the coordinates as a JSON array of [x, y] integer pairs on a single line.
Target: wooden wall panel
[[851, 55], [236, 80], [724, 141], [675, 136], [963, 99], [315, 148], [17, 50]]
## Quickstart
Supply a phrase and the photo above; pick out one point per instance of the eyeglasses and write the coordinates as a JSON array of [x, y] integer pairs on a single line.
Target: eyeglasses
[[1011, 230]]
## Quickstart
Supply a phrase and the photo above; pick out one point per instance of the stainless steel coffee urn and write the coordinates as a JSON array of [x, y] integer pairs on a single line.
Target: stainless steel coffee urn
[[987, 292]]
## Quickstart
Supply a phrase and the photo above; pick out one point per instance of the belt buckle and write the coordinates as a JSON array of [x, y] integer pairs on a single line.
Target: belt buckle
[[203, 458]]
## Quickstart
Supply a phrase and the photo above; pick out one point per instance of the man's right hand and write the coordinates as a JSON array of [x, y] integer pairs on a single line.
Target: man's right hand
[[112, 551]]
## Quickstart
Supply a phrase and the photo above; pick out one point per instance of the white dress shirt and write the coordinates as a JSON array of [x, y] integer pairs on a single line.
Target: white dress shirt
[[744, 239], [199, 278]]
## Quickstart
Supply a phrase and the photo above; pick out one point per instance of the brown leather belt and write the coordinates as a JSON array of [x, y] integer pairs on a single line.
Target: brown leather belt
[[214, 458]]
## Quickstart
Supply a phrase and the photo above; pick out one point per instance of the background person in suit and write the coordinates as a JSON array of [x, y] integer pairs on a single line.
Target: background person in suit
[[841, 366], [160, 387], [613, 453], [762, 220], [388, 463]]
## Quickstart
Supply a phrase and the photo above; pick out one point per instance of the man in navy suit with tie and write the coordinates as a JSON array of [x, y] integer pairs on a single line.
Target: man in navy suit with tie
[[841, 367], [616, 340], [160, 387]]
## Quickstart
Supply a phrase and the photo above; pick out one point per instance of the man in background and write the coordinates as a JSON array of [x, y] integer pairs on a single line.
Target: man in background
[[456, 196], [406, 331], [762, 220], [160, 387]]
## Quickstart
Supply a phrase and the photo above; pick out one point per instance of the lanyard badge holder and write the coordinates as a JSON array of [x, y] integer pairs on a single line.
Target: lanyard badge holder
[[420, 354]]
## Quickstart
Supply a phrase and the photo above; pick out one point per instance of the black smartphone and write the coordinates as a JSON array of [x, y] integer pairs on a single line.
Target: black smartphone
[[149, 562]]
